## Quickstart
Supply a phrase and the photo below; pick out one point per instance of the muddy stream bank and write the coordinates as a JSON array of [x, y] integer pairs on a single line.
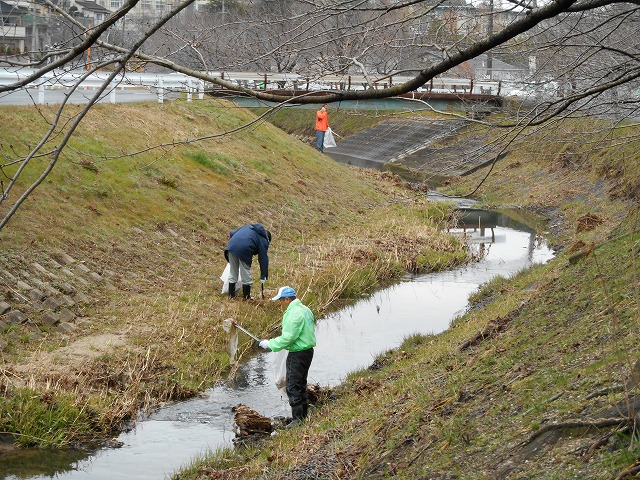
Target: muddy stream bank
[[348, 340]]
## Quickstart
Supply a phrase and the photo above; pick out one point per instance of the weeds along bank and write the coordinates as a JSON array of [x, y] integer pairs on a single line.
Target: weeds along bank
[[114, 260], [538, 380]]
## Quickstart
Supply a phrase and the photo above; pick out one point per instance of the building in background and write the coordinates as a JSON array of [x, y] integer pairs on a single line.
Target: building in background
[[13, 33], [91, 10]]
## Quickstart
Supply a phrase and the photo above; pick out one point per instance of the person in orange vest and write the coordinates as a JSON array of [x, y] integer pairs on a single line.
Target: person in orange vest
[[322, 124]]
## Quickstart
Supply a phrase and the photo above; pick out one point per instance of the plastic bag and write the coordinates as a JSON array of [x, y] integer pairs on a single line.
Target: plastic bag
[[329, 141], [225, 279], [280, 369]]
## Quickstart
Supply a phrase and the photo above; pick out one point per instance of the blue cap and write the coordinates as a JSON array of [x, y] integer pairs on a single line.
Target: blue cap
[[285, 292]]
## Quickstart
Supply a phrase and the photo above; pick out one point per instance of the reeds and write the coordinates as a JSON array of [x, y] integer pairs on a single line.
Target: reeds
[[339, 233]]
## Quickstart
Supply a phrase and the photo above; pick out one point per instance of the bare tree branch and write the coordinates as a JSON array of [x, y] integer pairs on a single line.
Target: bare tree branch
[[575, 56]]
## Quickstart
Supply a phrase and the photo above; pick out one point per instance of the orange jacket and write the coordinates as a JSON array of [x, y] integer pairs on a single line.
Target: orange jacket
[[322, 121]]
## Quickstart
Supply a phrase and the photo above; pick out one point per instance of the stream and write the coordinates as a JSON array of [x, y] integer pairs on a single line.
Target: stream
[[348, 340]]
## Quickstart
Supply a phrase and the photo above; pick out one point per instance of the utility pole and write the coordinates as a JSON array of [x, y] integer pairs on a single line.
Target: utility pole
[[532, 58], [490, 32], [88, 65], [34, 38]]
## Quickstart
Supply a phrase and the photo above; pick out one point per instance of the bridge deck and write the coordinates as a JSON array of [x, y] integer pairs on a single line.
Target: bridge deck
[[493, 100]]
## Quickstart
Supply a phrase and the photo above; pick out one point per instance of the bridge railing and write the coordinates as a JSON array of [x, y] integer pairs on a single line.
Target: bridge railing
[[292, 81], [162, 84]]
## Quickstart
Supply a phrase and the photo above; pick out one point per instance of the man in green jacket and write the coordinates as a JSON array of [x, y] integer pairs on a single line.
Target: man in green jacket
[[299, 337]]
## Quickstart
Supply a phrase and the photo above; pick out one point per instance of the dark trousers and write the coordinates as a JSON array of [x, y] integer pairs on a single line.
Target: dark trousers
[[298, 364], [320, 140]]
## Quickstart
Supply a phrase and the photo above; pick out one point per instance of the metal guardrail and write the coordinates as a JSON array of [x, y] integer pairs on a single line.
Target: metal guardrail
[[162, 84], [294, 81]]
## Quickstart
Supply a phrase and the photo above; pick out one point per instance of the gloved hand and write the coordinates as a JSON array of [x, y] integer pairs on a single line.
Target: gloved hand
[[264, 344], [262, 280]]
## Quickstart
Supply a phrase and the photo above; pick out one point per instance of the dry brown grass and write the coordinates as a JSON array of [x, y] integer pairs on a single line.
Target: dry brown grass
[[156, 225], [552, 350]]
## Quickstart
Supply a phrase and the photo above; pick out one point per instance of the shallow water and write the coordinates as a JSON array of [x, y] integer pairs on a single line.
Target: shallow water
[[348, 340]]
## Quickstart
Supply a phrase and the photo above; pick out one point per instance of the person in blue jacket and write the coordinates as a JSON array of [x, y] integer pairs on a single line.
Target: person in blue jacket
[[244, 243]]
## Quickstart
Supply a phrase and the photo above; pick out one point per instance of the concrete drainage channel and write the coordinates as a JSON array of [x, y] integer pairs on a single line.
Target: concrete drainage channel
[[348, 340]]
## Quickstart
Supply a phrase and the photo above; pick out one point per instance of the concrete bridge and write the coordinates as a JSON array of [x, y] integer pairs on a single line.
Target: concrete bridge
[[438, 89], [293, 83]]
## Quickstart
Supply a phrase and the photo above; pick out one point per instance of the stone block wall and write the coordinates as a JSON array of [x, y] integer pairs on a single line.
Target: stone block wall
[[45, 296]]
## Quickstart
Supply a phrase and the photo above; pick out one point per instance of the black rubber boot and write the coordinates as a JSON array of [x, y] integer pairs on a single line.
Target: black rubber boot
[[305, 410], [297, 413], [232, 290], [246, 292]]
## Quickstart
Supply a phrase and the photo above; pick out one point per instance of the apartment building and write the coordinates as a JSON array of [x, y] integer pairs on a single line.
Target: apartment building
[[12, 31]]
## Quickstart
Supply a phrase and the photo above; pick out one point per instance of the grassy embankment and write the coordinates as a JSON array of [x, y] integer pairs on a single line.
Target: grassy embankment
[[153, 221], [519, 386]]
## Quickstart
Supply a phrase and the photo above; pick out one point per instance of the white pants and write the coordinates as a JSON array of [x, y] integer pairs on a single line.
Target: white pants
[[238, 268]]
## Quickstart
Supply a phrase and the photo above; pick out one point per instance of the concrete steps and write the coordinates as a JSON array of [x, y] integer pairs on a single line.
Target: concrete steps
[[422, 149]]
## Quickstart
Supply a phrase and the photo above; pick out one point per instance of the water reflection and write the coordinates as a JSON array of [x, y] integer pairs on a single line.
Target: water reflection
[[348, 340]]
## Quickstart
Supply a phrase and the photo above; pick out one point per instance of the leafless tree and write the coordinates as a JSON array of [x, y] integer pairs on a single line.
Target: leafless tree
[[580, 55]]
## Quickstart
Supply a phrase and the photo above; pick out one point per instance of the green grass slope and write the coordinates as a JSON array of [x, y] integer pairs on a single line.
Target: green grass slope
[[114, 260], [539, 380]]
